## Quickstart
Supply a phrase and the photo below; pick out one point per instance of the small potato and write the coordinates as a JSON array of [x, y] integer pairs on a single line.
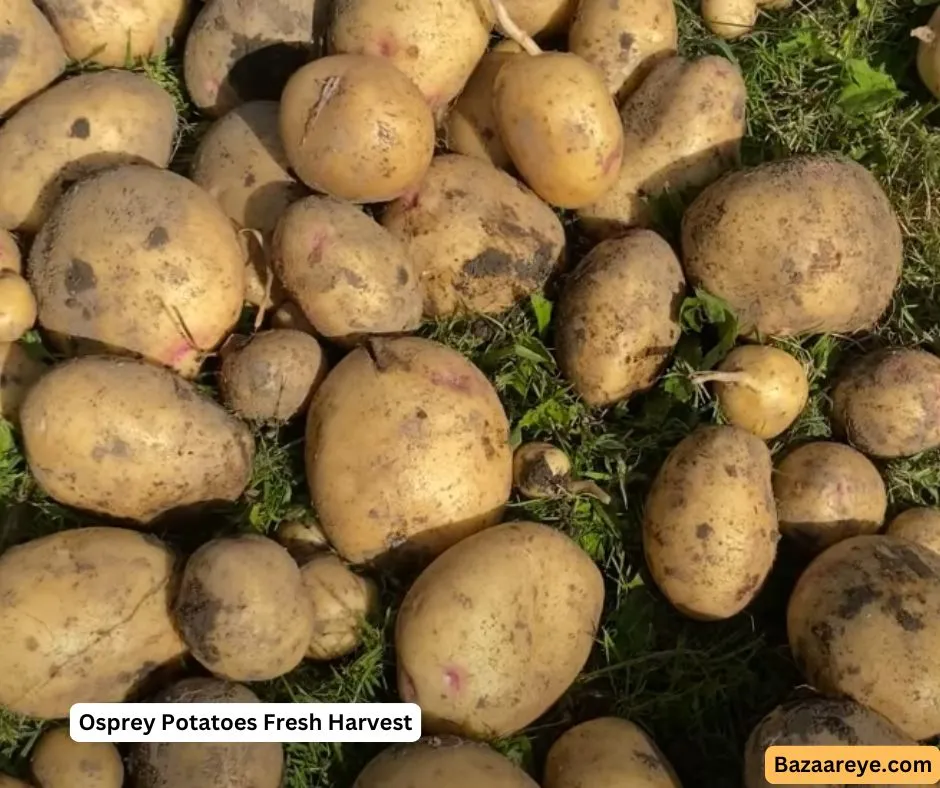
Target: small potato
[[827, 492], [10, 257], [887, 404], [31, 56], [289, 315], [242, 609], [928, 54], [17, 307], [540, 470], [386, 128], [541, 17], [710, 527], [59, 762], [303, 539], [921, 525], [480, 240], [618, 317], [19, 372], [730, 19]]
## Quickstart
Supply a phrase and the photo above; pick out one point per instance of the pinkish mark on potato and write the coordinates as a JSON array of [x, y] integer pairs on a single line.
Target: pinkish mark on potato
[[611, 160], [317, 244], [180, 352], [454, 678], [452, 380], [212, 85], [409, 200], [406, 688], [385, 45]]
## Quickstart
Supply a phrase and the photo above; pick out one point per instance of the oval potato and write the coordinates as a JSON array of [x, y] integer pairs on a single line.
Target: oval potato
[[920, 525], [59, 762], [19, 371], [31, 57]]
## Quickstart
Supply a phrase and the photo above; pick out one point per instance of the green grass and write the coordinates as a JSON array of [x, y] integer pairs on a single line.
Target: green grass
[[825, 76]]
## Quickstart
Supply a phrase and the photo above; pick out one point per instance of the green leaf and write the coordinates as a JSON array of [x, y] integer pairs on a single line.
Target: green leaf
[[680, 388], [542, 308], [704, 309], [6, 436], [532, 350], [863, 6], [865, 90]]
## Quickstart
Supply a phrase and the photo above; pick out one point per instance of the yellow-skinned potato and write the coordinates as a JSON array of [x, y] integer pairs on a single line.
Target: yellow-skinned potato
[[732, 19], [59, 762], [541, 17], [131, 440], [289, 315], [10, 257], [80, 126], [479, 667], [303, 539], [568, 164], [710, 527], [11, 782], [928, 54], [618, 317], [31, 56], [84, 618], [872, 595], [17, 307], [19, 371], [480, 240], [386, 128], [609, 752], [920, 525]]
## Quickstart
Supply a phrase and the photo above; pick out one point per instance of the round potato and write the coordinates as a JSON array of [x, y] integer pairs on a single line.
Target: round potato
[[618, 317], [872, 595], [84, 618], [710, 527], [59, 762], [303, 538], [478, 667], [729, 19], [928, 54], [10, 257], [480, 240], [17, 307], [166, 281], [19, 371], [609, 752], [808, 244], [130, 440], [386, 128], [31, 57], [541, 17], [887, 404], [921, 525], [243, 610], [540, 470]]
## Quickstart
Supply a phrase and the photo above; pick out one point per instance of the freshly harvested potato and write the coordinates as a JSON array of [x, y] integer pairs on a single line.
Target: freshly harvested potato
[[347, 273], [928, 54], [289, 315], [872, 595], [567, 164], [407, 450], [887, 404], [83, 125], [710, 528], [480, 240], [827, 492], [19, 372], [618, 317], [479, 667], [10, 257], [243, 610], [609, 752], [131, 440], [540, 470], [386, 128], [808, 244], [682, 129], [165, 281], [84, 618], [920, 525], [207, 764], [17, 306], [59, 762], [541, 17], [303, 539], [731, 19], [31, 57], [11, 782]]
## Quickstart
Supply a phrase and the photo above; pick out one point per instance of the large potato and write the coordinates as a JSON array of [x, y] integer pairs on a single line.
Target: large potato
[[127, 439], [407, 450], [864, 622], [10, 257], [19, 371], [84, 618], [165, 281], [31, 55], [618, 317], [59, 762], [806, 244], [480, 240], [87, 123], [921, 525], [887, 404], [478, 666], [710, 526]]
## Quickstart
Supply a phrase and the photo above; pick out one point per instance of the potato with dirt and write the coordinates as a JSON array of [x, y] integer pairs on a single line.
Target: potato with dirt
[[289, 315], [618, 317], [540, 470], [59, 762], [6, 781], [481, 242], [920, 525], [17, 307], [20, 368], [541, 18], [32, 57], [303, 538], [730, 19], [808, 244], [131, 440], [928, 53], [710, 526], [478, 667], [10, 257], [84, 618]]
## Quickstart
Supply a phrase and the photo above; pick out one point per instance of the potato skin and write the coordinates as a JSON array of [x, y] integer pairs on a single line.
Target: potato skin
[[710, 527], [541, 17], [32, 57], [19, 371], [920, 525], [10, 257], [618, 317], [17, 307], [11, 782], [131, 440], [101, 594], [480, 240], [928, 56], [59, 762], [729, 19], [457, 656]]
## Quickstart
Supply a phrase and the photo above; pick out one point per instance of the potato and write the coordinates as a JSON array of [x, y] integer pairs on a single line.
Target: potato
[[348, 274], [618, 317], [887, 404], [731, 19], [480, 240], [386, 128], [567, 164], [540, 470], [10, 257], [682, 129], [80, 126], [289, 315], [59, 762], [928, 54], [31, 55], [302, 538], [11, 782], [480, 667], [624, 39], [872, 595], [243, 610], [429, 762], [609, 752], [17, 307], [808, 244], [19, 371], [827, 492], [165, 281], [710, 527], [206, 764], [541, 17], [84, 618], [920, 525], [130, 440]]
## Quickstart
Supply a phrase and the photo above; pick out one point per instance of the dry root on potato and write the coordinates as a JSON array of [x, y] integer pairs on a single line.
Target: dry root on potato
[[59, 762], [19, 371], [540, 470], [17, 307], [920, 525]]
